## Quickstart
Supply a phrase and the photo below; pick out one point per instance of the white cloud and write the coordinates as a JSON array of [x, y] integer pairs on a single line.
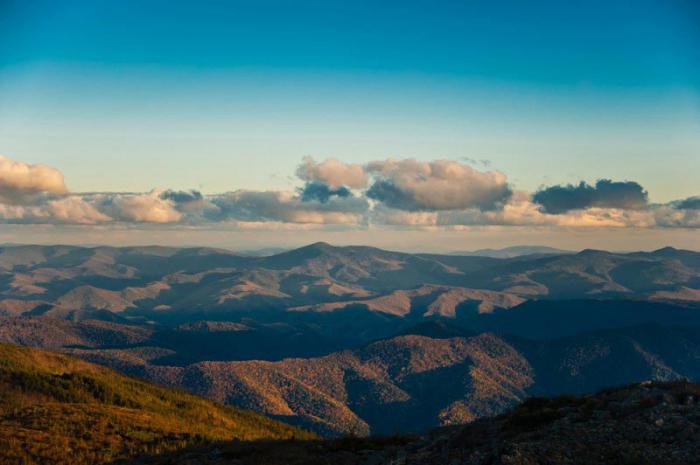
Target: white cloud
[[21, 183], [67, 210], [141, 208], [437, 185], [75, 210], [333, 173], [409, 193]]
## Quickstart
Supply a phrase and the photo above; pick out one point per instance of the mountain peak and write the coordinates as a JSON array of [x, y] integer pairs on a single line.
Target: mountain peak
[[593, 252], [319, 246], [316, 247], [665, 250]]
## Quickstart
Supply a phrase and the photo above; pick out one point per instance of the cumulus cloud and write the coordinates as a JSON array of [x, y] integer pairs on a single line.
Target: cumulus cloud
[[22, 183], [191, 203], [405, 193], [182, 196], [627, 195], [316, 190], [670, 216], [244, 205], [75, 210], [520, 210], [691, 203], [140, 208], [413, 185], [334, 173], [67, 210]]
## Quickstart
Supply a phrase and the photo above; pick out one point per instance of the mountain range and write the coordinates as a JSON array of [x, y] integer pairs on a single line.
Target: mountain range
[[361, 340], [56, 410], [435, 374], [169, 284]]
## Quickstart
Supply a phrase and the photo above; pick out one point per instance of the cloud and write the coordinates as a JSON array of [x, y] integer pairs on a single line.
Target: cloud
[[244, 205], [403, 193], [139, 208], [626, 195], [691, 203], [520, 210], [333, 173], [22, 183], [75, 210], [67, 210], [383, 215], [670, 216], [413, 185], [316, 190], [192, 202], [182, 196]]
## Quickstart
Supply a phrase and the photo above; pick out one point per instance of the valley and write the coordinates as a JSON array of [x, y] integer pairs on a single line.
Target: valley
[[357, 340]]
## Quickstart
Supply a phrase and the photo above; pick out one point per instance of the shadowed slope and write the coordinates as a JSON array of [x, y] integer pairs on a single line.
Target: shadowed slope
[[647, 424]]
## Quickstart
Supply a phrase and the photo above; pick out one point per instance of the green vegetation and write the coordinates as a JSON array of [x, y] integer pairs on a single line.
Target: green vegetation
[[58, 410]]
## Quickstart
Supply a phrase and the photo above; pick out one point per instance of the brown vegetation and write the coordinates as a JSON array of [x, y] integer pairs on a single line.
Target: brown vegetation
[[58, 410]]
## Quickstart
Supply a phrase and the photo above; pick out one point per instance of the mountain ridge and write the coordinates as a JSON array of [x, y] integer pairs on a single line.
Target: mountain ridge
[[56, 409], [170, 284], [423, 378], [645, 423]]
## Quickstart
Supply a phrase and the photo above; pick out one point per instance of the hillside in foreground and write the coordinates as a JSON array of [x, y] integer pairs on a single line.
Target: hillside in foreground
[[648, 423], [58, 410]]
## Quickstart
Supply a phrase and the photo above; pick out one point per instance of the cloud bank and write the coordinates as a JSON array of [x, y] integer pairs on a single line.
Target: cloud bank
[[382, 193]]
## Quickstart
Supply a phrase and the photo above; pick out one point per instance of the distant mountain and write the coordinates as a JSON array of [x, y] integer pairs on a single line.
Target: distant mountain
[[263, 252], [548, 319], [515, 251], [56, 409], [174, 286], [425, 301]]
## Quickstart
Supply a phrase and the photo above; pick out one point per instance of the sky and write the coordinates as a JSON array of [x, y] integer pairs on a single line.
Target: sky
[[414, 125]]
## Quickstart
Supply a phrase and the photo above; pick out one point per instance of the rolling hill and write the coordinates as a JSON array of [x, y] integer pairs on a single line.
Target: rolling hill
[[647, 423], [56, 409], [433, 375]]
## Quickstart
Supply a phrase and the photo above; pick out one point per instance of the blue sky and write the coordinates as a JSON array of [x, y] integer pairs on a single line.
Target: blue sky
[[224, 95]]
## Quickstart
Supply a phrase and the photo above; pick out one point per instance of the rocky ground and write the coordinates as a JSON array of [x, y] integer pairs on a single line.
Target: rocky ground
[[651, 423]]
